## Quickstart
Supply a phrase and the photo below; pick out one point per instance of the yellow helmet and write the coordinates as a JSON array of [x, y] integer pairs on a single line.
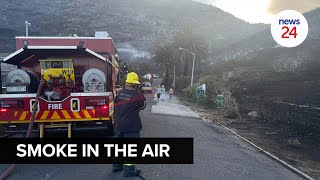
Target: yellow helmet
[[132, 78]]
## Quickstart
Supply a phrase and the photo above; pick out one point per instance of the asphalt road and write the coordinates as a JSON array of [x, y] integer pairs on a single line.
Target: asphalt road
[[217, 155]]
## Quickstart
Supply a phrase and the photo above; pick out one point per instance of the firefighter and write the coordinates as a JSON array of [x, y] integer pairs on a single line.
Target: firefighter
[[129, 102]]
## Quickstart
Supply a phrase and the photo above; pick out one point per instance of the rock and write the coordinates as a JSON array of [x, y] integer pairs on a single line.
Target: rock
[[253, 114], [294, 142]]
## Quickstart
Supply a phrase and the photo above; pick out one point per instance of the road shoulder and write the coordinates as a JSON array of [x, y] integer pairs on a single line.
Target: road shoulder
[[265, 135]]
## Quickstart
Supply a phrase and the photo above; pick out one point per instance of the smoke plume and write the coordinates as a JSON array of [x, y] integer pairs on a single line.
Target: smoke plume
[[299, 5]]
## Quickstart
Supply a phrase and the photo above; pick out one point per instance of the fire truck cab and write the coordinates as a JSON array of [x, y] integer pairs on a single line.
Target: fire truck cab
[[79, 75]]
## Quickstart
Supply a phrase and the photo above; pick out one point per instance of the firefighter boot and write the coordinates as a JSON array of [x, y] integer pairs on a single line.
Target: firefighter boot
[[117, 168], [130, 171]]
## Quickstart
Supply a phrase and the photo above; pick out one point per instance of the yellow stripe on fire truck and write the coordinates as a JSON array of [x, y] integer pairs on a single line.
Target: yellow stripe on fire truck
[[56, 114]]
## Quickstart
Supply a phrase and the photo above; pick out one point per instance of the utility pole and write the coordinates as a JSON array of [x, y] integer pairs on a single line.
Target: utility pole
[[27, 27], [194, 58], [174, 76]]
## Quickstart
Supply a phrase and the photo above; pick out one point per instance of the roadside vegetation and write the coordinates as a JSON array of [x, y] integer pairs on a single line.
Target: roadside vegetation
[[273, 102]]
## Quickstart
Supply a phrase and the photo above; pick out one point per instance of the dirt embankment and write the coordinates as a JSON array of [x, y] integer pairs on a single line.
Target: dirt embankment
[[288, 98], [287, 121], [300, 151]]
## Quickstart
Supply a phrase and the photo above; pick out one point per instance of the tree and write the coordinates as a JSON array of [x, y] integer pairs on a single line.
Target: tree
[[166, 58], [194, 43], [168, 55]]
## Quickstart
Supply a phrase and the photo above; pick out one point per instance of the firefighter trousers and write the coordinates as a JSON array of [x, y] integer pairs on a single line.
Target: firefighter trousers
[[126, 167]]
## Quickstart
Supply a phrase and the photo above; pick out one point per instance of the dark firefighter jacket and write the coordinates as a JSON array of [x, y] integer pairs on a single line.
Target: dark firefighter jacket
[[128, 104]]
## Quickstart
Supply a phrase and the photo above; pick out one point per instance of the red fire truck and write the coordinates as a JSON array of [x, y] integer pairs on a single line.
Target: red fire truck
[[79, 77]]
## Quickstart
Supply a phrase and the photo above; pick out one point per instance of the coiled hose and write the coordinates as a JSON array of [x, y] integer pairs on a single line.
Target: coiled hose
[[34, 110]]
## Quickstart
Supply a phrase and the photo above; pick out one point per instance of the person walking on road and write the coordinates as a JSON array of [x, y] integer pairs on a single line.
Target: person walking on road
[[163, 92], [170, 94], [128, 104], [158, 92]]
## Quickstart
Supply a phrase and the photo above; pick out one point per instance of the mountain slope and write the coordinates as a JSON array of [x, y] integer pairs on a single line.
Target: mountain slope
[[137, 26], [246, 48]]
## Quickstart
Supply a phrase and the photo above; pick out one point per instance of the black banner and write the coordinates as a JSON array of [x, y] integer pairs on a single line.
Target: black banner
[[97, 151]]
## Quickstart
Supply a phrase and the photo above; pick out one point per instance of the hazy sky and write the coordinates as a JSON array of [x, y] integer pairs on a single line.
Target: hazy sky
[[255, 11]]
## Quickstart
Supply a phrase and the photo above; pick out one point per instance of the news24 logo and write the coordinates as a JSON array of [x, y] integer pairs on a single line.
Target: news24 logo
[[289, 28]]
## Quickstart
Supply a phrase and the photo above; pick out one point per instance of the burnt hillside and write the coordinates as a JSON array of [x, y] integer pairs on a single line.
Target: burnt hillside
[[137, 26], [261, 41]]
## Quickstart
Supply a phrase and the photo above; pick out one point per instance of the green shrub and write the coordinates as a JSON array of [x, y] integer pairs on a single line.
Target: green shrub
[[213, 85], [191, 91], [182, 82]]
